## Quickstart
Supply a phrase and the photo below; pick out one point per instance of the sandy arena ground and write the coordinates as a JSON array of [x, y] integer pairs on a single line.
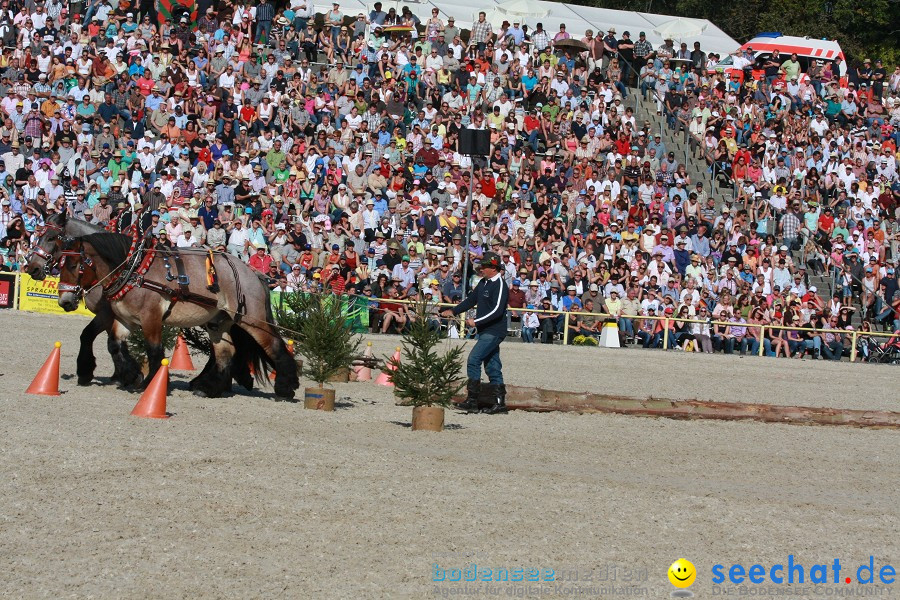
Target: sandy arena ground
[[247, 498]]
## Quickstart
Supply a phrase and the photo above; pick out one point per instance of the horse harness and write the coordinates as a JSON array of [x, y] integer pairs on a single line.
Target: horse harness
[[181, 293], [84, 260], [49, 261], [131, 274]]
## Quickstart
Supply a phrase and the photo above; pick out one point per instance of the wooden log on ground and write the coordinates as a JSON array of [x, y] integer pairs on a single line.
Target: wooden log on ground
[[540, 400], [367, 361]]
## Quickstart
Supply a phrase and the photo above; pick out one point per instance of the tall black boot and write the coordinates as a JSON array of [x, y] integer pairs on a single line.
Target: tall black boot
[[473, 390], [500, 405]]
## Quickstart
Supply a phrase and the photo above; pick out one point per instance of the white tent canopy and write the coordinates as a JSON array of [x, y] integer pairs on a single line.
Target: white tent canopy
[[576, 18], [517, 11]]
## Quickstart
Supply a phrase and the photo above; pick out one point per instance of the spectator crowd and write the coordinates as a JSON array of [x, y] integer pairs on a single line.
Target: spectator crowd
[[324, 151]]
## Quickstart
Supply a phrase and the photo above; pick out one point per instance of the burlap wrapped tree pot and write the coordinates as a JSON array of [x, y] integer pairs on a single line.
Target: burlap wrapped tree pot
[[340, 376], [423, 378], [318, 398], [428, 418]]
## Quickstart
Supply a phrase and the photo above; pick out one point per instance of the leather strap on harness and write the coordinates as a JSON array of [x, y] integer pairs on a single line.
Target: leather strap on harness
[[212, 277]]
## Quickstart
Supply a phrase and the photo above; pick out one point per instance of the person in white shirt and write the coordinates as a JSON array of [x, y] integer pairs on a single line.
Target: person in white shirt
[[227, 78], [239, 241], [530, 324], [434, 61], [186, 239], [455, 101], [847, 175], [559, 84]]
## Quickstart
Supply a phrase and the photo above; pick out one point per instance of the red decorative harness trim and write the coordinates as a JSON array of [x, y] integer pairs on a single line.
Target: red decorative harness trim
[[149, 257]]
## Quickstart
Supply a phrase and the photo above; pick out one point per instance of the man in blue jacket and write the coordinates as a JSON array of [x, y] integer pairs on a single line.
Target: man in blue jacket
[[490, 299]]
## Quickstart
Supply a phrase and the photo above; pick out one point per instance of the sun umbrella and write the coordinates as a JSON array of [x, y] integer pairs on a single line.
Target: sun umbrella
[[570, 44], [680, 28]]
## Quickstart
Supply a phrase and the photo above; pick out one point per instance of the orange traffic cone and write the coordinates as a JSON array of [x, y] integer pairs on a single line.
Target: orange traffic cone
[[364, 373], [46, 382], [384, 378], [181, 357], [152, 404]]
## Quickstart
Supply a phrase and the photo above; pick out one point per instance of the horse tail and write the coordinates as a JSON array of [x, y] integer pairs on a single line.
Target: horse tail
[[276, 357], [249, 352]]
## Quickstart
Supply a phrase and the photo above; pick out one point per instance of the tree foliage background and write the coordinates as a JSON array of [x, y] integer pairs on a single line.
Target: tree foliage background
[[864, 28]]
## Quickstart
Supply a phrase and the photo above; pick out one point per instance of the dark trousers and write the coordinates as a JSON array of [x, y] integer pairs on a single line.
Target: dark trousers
[[547, 329], [486, 352]]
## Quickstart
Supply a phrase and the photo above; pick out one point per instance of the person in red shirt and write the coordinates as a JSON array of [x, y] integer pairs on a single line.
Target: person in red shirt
[[488, 184], [350, 256], [428, 154], [247, 115], [623, 145], [516, 300], [638, 214], [334, 280], [145, 83], [742, 152], [826, 224], [532, 123], [260, 261]]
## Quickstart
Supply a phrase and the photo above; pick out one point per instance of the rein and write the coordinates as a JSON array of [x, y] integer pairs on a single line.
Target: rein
[[85, 260]]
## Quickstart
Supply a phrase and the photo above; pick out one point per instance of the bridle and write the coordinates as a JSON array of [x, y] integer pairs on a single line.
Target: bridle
[[48, 258], [83, 261]]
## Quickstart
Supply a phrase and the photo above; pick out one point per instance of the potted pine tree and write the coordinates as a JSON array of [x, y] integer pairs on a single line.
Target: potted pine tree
[[423, 378], [137, 344], [328, 344]]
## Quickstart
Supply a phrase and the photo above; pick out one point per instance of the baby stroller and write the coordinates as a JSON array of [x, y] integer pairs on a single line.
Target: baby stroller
[[887, 353]]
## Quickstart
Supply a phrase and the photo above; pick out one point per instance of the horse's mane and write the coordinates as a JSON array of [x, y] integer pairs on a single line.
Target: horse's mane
[[112, 247], [74, 225]]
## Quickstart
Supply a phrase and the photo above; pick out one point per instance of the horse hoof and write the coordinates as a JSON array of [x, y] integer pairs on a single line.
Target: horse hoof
[[85, 381], [201, 394], [285, 399]]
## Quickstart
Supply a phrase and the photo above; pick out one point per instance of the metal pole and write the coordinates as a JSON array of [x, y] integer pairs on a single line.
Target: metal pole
[[762, 337], [665, 334], [468, 226], [853, 348]]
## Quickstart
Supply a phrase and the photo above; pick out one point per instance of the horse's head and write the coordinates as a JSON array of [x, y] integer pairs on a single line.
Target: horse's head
[[42, 258], [76, 272]]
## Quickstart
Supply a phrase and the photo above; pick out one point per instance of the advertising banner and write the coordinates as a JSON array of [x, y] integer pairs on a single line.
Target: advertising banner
[[42, 296], [7, 290]]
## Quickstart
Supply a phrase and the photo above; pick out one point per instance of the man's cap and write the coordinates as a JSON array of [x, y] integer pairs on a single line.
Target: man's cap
[[492, 260]]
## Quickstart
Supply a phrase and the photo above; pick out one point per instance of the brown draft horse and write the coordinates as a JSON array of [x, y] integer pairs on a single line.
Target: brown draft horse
[[40, 263], [61, 229], [141, 290]]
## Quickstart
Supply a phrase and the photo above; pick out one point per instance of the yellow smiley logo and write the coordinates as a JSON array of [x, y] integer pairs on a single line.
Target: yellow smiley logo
[[682, 573]]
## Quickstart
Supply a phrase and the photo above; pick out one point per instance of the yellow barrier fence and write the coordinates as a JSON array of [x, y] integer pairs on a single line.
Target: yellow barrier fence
[[855, 334]]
